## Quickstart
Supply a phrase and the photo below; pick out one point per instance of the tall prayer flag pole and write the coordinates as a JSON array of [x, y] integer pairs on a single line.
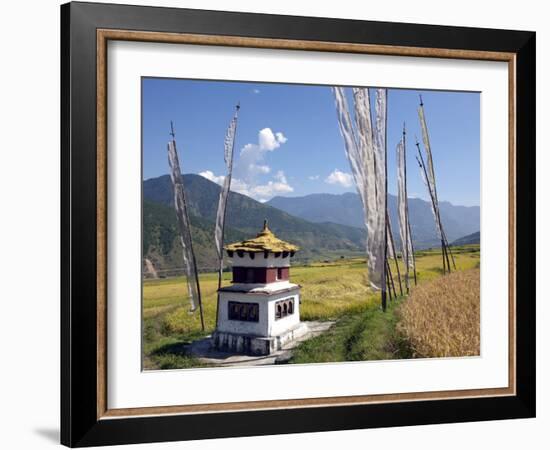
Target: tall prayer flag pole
[[403, 209], [430, 173], [393, 252], [184, 225], [229, 146], [435, 210]]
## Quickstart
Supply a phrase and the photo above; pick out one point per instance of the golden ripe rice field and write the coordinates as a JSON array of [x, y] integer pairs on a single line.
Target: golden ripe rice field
[[336, 290]]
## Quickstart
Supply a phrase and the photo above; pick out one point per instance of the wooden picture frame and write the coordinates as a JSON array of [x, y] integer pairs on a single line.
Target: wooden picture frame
[[85, 417]]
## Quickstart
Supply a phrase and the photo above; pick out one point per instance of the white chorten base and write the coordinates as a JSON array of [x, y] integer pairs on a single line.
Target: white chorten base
[[256, 345], [257, 319]]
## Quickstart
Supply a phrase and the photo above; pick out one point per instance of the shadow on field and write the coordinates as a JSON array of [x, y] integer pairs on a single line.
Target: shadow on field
[[176, 349]]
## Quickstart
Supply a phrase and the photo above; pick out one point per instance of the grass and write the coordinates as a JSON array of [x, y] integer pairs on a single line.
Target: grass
[[361, 335], [331, 290], [441, 318]]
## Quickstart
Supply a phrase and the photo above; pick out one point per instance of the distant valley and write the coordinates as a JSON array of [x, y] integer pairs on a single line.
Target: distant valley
[[323, 225]]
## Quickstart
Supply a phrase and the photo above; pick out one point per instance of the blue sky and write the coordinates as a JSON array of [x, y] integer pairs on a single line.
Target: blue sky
[[288, 142]]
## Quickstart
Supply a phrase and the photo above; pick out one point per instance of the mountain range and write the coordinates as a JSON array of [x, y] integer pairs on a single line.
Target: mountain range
[[346, 209], [321, 224], [467, 240], [244, 219]]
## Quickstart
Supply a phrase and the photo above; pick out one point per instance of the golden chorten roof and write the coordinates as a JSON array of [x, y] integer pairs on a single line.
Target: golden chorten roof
[[265, 241]]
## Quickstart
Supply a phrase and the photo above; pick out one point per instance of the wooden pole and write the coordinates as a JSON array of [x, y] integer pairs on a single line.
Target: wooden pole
[[444, 255], [389, 281], [387, 286], [449, 248], [390, 233], [412, 254], [200, 301], [407, 225], [385, 278], [444, 242], [390, 274], [385, 195], [196, 275], [446, 252]]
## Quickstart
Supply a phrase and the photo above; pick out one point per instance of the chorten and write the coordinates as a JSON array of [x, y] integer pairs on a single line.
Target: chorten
[[260, 312]]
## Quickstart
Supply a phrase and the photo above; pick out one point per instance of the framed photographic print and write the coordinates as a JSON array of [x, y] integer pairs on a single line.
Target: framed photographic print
[[276, 224]]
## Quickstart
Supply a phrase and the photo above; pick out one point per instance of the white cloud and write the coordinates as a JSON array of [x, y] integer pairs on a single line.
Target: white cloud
[[250, 167], [262, 168], [209, 175], [261, 192], [264, 192], [341, 178], [256, 91], [281, 138], [240, 186], [269, 141], [280, 176], [313, 177], [251, 163]]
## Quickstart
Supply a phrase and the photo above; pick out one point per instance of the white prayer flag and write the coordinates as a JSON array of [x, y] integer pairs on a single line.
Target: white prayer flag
[[429, 160], [229, 142], [184, 226], [367, 162], [402, 208]]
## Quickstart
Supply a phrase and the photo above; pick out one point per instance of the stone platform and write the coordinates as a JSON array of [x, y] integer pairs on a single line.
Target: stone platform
[[280, 347]]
